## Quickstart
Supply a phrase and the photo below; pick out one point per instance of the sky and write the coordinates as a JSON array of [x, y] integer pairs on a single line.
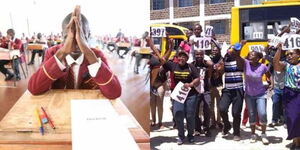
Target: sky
[[105, 16]]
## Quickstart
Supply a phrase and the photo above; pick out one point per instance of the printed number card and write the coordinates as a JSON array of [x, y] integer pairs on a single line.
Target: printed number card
[[202, 43], [96, 125], [180, 93], [291, 41], [256, 48], [275, 41], [295, 24], [209, 31], [158, 31], [258, 35]]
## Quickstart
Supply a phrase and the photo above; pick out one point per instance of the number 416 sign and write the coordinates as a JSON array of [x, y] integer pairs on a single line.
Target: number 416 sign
[[180, 93], [291, 42]]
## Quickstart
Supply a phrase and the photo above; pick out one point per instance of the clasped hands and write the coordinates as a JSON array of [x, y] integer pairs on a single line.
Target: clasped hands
[[76, 39]]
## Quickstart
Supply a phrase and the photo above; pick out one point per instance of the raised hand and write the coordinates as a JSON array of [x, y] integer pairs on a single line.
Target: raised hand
[[81, 38], [69, 43]]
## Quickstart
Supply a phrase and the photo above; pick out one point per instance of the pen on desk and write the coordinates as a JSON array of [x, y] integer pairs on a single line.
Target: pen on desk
[[39, 121], [49, 120]]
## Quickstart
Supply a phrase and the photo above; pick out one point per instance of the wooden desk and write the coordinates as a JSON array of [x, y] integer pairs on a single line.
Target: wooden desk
[[144, 51], [57, 104], [6, 54], [36, 46]]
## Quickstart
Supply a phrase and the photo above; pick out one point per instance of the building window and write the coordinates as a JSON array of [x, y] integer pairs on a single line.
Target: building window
[[219, 26], [185, 3], [158, 4], [216, 1], [257, 1]]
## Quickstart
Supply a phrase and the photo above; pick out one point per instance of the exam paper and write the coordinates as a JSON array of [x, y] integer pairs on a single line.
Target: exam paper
[[95, 126]]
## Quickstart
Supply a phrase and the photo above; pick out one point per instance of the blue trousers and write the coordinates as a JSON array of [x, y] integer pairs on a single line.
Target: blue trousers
[[185, 110]]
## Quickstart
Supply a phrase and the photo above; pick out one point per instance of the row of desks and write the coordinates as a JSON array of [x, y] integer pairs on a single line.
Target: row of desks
[[6, 54], [20, 118]]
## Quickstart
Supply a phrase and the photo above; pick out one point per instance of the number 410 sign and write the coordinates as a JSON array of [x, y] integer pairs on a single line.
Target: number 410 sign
[[202, 43]]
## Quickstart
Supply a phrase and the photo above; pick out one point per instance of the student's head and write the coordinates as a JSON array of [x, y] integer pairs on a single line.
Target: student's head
[[145, 34], [215, 51], [84, 22], [199, 55], [197, 29], [182, 58], [39, 35], [255, 56], [11, 33], [189, 33], [293, 56]]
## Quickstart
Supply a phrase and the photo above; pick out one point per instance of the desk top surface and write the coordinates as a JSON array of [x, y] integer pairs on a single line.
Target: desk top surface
[[20, 125]]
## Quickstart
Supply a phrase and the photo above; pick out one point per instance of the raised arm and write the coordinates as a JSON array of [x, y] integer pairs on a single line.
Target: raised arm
[[278, 65], [239, 59]]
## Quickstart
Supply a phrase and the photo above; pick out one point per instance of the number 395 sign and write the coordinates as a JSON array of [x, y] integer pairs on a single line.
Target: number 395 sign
[[291, 42]]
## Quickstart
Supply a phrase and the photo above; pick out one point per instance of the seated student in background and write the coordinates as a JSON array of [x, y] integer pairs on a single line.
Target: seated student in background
[[38, 40], [10, 42], [90, 70]]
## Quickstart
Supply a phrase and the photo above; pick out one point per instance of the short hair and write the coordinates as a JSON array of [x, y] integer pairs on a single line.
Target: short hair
[[67, 19], [297, 51], [11, 31], [258, 54]]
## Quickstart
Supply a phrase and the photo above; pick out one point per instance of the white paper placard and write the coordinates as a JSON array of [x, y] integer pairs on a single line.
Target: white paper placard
[[95, 126], [200, 87], [295, 23], [158, 31], [257, 48], [202, 43], [208, 31], [180, 93], [224, 49], [275, 41], [291, 41], [258, 35]]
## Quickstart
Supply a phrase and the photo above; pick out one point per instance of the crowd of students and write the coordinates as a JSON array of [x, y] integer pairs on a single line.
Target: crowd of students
[[243, 81]]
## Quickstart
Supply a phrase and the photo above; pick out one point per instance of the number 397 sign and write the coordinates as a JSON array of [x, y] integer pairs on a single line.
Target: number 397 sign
[[202, 43], [291, 42], [180, 93], [158, 32]]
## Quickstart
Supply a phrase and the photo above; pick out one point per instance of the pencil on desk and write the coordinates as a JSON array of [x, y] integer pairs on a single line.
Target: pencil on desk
[[41, 128], [49, 120]]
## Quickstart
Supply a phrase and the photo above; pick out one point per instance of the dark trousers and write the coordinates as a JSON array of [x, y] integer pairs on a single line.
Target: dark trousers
[[206, 99], [33, 53], [277, 108], [235, 97], [15, 67], [185, 110]]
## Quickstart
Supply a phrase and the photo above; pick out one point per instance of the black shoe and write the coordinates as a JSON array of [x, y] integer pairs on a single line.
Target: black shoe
[[9, 77], [179, 141], [191, 140], [208, 133], [30, 63], [226, 129], [272, 125], [220, 125], [213, 126]]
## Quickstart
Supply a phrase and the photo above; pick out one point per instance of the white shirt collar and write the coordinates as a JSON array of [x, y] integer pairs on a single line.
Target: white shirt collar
[[70, 60]]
